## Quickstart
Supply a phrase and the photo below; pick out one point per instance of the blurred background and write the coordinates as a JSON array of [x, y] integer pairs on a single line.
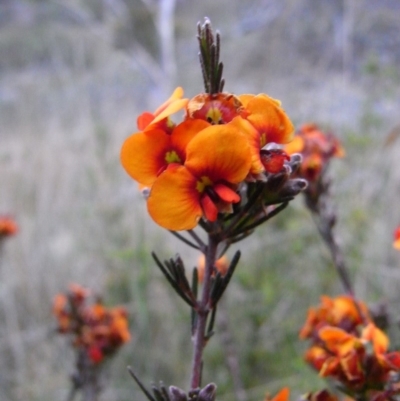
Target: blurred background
[[74, 75]]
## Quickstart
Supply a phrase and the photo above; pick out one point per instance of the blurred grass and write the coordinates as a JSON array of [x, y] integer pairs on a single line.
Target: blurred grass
[[73, 79]]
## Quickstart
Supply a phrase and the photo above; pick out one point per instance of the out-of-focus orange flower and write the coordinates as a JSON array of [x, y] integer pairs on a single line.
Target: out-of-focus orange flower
[[282, 395], [93, 328], [8, 227], [77, 294], [160, 118], [316, 147], [221, 266], [343, 311], [348, 347], [396, 242], [145, 155], [217, 159]]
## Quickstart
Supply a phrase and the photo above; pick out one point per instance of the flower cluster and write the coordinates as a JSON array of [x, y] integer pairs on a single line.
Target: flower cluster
[[316, 147], [8, 227], [94, 329], [194, 169], [350, 349]]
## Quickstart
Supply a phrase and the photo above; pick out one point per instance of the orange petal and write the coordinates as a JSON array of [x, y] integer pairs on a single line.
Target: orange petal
[[253, 137], [172, 108], [295, 146], [352, 366], [183, 133], [269, 119], [226, 194], [245, 99], [176, 94], [378, 338], [210, 210], [219, 152], [143, 155], [337, 340], [316, 356], [330, 367], [144, 120], [174, 202]]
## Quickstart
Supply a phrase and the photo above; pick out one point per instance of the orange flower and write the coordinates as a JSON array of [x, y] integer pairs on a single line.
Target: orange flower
[[8, 226], [341, 356], [221, 265], [77, 293], [145, 155], [396, 242], [160, 118], [220, 108], [359, 360], [217, 159], [268, 117], [343, 312], [316, 147], [92, 328], [310, 139], [259, 117], [377, 337]]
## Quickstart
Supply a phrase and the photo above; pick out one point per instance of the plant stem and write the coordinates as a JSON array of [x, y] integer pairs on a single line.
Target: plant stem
[[326, 232], [202, 311]]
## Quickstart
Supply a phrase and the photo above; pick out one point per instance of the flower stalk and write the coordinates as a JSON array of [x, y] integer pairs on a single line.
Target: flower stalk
[[202, 311]]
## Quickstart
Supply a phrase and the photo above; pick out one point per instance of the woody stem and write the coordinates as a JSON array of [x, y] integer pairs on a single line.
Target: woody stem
[[202, 311]]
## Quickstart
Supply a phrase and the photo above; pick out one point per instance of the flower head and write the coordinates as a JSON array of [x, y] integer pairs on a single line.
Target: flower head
[[343, 312], [259, 117], [348, 347], [316, 147], [92, 328], [217, 159]]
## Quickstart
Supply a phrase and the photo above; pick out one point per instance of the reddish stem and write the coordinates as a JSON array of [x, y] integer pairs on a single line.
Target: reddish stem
[[203, 309]]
